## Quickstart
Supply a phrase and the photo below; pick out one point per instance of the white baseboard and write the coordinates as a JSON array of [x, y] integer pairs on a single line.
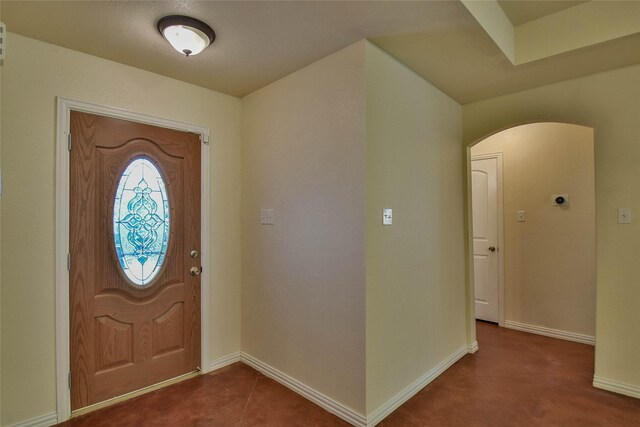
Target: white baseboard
[[617, 387], [45, 420], [548, 332], [347, 414], [396, 401], [223, 361], [341, 411]]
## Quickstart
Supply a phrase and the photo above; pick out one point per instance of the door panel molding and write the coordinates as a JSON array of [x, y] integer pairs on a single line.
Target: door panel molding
[[500, 237], [64, 108]]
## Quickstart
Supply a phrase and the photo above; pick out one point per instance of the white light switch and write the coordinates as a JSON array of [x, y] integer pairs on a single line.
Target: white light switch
[[266, 216], [520, 216], [624, 215], [387, 216]]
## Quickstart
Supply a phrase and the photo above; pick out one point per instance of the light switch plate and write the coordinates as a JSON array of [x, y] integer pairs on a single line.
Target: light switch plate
[[520, 216], [266, 216], [387, 216], [624, 215]]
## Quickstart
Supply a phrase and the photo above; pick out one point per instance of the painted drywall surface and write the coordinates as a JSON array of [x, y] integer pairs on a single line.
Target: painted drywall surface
[[577, 27], [610, 103], [550, 259], [303, 291], [0, 240], [416, 301], [490, 15], [35, 73]]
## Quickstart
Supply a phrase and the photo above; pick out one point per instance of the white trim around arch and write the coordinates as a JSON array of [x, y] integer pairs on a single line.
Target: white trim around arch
[[64, 108]]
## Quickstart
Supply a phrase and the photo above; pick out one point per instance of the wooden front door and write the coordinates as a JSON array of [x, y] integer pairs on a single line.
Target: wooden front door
[[134, 256]]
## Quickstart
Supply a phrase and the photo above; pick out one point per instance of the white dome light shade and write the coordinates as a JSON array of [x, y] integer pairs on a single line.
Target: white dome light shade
[[185, 39], [187, 35]]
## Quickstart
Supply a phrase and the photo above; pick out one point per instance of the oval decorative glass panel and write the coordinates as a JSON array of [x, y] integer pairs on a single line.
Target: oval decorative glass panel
[[141, 221]]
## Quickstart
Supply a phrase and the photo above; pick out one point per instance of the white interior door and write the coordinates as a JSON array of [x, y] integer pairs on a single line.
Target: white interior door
[[484, 177]]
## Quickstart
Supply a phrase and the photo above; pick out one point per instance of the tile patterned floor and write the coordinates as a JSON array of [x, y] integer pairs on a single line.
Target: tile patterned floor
[[516, 379]]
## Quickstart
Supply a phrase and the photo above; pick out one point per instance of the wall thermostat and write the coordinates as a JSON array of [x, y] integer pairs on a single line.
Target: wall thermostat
[[560, 199]]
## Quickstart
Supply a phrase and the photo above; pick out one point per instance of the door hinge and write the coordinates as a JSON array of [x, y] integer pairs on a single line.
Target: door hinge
[[69, 380], [69, 141], [68, 261]]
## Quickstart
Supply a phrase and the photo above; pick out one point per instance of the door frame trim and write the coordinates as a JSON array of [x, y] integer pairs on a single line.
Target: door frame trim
[[64, 107], [500, 213]]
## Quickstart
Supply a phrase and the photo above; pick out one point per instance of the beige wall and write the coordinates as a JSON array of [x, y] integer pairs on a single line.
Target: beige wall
[[416, 303], [550, 259], [326, 147], [304, 277], [35, 73], [610, 103], [0, 243], [304, 155]]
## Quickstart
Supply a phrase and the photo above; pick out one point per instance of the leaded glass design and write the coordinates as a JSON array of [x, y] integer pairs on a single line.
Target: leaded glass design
[[141, 221]]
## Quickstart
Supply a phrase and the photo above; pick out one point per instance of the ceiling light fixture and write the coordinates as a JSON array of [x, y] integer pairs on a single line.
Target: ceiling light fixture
[[187, 35]]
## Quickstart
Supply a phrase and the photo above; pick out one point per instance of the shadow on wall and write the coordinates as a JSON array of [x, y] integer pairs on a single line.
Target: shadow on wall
[[549, 281]]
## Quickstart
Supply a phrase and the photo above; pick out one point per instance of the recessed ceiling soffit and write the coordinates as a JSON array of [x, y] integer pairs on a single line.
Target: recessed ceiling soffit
[[585, 24]]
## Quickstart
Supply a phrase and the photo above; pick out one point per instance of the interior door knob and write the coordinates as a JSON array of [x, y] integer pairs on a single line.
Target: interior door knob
[[195, 271], [492, 248]]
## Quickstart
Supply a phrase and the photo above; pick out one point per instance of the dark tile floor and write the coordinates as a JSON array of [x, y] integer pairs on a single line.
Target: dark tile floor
[[236, 395], [516, 379]]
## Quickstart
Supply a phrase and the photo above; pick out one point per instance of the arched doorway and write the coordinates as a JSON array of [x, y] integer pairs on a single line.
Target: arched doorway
[[543, 266]]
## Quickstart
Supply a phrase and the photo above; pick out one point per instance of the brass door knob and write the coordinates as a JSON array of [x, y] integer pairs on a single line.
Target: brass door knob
[[492, 248], [195, 271]]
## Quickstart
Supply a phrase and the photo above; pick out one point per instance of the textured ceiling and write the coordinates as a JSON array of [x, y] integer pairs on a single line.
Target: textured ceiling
[[260, 41]]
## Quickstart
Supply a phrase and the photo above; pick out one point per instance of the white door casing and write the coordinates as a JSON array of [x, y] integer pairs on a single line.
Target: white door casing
[[64, 107], [486, 179]]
